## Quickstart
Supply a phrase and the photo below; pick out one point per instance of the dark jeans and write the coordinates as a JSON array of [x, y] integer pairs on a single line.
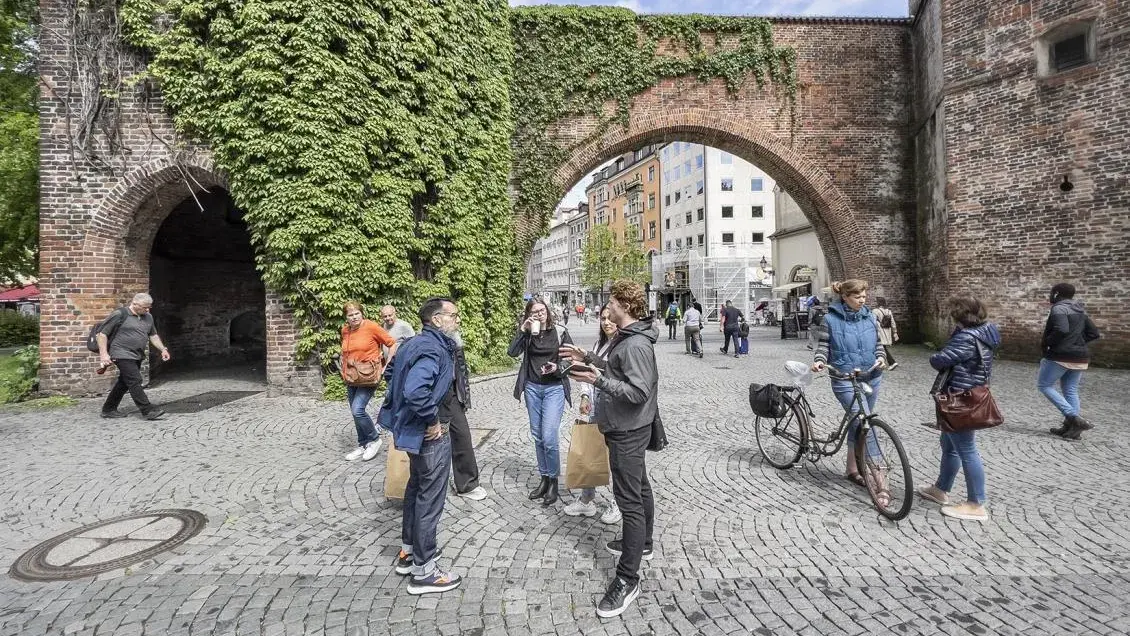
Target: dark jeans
[[424, 498], [890, 356], [672, 329], [728, 336], [129, 379], [626, 459], [464, 467], [359, 397]]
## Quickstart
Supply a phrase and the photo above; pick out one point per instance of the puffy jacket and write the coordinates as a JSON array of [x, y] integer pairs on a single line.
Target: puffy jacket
[[628, 396], [962, 355], [1067, 333], [419, 377], [849, 339]]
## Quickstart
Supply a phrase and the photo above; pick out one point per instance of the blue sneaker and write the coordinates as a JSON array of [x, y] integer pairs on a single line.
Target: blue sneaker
[[438, 581]]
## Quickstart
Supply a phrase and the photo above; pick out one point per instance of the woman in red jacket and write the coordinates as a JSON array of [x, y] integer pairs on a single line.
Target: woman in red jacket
[[361, 341]]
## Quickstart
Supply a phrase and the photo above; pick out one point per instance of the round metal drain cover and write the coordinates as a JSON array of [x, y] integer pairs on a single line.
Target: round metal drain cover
[[107, 545]]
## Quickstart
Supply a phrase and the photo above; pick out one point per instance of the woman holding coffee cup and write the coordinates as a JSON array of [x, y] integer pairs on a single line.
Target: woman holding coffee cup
[[545, 386]]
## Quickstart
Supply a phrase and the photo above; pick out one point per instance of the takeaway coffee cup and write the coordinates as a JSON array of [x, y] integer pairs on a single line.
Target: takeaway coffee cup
[[535, 327]]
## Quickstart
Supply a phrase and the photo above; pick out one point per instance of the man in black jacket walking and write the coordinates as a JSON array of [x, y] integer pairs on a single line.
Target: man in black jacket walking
[[626, 407]]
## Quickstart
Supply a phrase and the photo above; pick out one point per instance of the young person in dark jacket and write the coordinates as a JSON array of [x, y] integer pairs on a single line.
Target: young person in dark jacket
[[1066, 356], [627, 405], [537, 341], [420, 378], [969, 353]]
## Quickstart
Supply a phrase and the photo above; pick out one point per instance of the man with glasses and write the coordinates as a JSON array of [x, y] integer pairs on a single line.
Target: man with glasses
[[122, 342], [421, 379]]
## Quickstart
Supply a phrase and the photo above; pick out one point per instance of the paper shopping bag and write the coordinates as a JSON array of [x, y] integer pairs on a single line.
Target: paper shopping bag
[[587, 465], [396, 472]]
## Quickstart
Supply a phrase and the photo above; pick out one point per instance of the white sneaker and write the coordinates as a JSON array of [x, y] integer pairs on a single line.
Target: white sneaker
[[371, 449], [611, 514], [581, 509], [475, 494], [355, 454]]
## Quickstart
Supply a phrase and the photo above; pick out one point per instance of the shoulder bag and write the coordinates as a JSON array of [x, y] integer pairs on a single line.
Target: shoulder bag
[[358, 373], [968, 410]]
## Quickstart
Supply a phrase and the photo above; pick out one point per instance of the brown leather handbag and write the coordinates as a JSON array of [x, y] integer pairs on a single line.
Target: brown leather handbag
[[970, 410], [358, 373]]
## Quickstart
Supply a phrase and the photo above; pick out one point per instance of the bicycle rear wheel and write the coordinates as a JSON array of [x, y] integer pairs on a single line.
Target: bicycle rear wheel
[[782, 440], [885, 469]]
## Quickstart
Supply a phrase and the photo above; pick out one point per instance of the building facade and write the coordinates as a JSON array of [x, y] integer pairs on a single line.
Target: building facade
[[800, 267]]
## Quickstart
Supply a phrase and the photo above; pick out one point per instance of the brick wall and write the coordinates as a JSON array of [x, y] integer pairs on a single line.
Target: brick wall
[[1010, 138]]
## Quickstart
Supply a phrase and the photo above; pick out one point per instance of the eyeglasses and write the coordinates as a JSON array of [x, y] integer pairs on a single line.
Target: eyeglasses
[[454, 315]]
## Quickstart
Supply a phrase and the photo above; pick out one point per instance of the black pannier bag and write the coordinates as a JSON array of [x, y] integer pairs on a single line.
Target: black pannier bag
[[767, 400]]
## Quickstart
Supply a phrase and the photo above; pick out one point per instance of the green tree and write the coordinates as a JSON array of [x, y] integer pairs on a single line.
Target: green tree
[[19, 138], [608, 258]]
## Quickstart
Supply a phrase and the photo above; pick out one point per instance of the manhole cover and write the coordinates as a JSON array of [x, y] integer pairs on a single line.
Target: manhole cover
[[205, 401], [107, 545]]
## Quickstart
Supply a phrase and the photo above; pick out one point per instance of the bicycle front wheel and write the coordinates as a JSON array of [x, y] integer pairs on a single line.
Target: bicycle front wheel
[[781, 440], [885, 469]]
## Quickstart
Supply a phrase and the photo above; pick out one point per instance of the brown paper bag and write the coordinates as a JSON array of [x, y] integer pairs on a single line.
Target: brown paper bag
[[587, 464], [396, 472]]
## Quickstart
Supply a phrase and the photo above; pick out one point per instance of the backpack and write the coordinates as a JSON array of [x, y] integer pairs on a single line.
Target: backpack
[[767, 401], [92, 337], [885, 322], [672, 312]]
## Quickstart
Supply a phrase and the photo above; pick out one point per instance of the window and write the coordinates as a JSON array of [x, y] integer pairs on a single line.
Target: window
[[699, 187], [678, 193], [758, 212], [676, 174], [619, 164], [651, 230], [667, 200], [757, 185], [613, 215], [667, 248], [687, 166], [701, 239], [701, 214], [688, 217], [651, 201], [1066, 47], [650, 174], [698, 161], [727, 185], [727, 158], [678, 243], [666, 224], [727, 238], [727, 211], [758, 237], [1070, 52]]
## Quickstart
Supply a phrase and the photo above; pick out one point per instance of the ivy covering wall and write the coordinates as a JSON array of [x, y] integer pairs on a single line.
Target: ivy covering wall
[[372, 143]]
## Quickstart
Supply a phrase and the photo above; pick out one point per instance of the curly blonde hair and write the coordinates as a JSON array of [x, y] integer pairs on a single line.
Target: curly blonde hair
[[630, 295]]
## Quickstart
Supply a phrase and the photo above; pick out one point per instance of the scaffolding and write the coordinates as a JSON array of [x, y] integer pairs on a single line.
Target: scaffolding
[[711, 280]]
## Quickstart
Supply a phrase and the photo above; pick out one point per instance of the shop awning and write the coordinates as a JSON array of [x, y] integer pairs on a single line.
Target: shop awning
[[30, 292], [789, 287]]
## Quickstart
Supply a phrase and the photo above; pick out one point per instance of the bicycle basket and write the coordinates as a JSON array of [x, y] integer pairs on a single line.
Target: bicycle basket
[[767, 400]]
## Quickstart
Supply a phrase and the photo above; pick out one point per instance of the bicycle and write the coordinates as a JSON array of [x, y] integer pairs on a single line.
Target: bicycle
[[784, 433]]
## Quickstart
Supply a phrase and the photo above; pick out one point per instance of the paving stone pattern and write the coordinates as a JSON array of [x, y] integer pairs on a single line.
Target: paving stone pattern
[[301, 542]]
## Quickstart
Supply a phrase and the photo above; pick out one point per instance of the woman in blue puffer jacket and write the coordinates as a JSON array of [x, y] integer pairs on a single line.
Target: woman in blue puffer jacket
[[969, 353], [849, 339]]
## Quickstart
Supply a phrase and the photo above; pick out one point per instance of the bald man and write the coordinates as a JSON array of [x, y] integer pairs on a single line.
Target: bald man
[[397, 328]]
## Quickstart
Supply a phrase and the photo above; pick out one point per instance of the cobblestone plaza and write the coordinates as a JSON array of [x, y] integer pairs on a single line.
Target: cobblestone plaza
[[297, 541]]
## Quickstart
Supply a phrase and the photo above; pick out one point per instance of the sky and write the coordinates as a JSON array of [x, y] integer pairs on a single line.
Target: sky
[[857, 8]]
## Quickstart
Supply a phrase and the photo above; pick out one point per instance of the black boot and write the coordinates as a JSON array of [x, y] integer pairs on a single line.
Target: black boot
[[1078, 425], [539, 492], [1062, 428], [550, 493]]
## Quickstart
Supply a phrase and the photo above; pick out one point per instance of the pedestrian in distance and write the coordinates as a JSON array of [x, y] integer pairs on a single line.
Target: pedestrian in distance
[[731, 323], [585, 505], [969, 354], [692, 330], [1066, 356], [397, 328], [362, 365], [849, 340], [743, 336], [422, 377], [546, 390], [671, 316], [888, 330], [626, 411], [121, 342]]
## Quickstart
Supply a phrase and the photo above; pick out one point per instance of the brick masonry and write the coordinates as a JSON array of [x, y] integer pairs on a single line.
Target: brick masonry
[[926, 152]]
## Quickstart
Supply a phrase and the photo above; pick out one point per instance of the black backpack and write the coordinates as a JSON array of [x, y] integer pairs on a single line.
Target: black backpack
[[885, 321], [92, 337], [767, 401]]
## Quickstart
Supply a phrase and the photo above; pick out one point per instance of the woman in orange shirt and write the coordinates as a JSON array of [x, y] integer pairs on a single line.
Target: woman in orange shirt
[[361, 342]]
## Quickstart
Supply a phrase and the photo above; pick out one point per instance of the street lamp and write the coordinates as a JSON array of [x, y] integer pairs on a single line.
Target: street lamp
[[766, 267]]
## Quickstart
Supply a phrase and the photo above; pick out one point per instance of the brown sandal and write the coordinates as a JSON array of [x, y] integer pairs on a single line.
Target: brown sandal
[[856, 479]]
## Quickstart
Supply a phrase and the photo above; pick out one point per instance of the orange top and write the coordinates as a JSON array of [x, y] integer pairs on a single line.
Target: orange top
[[363, 344]]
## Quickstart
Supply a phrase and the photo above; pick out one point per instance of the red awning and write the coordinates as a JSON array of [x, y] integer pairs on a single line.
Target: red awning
[[29, 292]]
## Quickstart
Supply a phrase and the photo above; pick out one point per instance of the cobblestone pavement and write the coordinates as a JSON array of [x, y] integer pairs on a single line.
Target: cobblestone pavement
[[300, 542]]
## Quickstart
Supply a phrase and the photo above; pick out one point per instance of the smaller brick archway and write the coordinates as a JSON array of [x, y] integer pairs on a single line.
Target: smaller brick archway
[[809, 184]]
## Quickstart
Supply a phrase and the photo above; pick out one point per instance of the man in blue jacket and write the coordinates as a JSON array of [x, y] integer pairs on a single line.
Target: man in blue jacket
[[420, 378]]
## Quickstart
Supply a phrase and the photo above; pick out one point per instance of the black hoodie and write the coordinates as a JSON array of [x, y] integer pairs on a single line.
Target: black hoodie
[[628, 399], [1067, 332]]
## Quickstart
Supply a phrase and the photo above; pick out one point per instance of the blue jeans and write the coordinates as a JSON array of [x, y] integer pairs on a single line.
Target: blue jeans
[[959, 451], [844, 393], [424, 497], [1052, 373], [546, 405], [359, 397]]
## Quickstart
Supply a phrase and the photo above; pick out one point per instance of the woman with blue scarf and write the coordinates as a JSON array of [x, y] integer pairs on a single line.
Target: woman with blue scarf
[[849, 339]]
